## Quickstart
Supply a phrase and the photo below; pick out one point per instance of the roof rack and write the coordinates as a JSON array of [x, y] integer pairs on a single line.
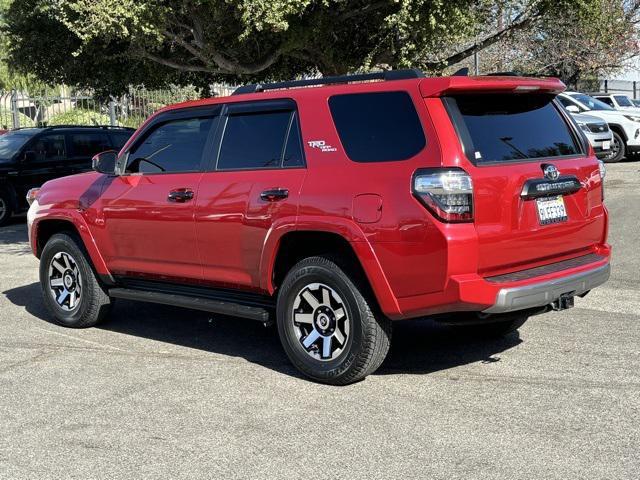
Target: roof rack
[[106, 127], [361, 77]]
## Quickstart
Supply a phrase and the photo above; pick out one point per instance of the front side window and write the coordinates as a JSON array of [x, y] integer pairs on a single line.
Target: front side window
[[48, 148], [259, 140], [606, 100], [12, 142], [377, 127], [173, 146], [88, 144], [505, 127]]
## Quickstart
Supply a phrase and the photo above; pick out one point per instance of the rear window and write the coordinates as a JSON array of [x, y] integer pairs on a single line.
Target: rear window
[[499, 128], [377, 127]]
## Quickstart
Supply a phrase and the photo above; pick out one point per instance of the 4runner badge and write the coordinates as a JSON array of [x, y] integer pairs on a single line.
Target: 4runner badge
[[322, 145]]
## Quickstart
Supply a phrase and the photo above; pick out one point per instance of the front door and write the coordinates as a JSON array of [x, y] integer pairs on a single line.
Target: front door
[[44, 158], [253, 188], [148, 210]]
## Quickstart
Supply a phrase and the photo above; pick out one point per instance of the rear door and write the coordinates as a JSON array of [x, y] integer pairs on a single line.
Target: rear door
[[252, 188], [537, 194]]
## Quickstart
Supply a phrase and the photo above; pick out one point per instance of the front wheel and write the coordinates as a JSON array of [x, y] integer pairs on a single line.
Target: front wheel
[[327, 326], [70, 288], [618, 149]]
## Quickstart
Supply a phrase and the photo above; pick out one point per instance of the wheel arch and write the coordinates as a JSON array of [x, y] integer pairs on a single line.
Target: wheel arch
[[619, 130], [44, 228], [296, 245]]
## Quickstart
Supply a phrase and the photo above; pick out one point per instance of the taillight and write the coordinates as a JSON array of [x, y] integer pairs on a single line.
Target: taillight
[[32, 195], [446, 192], [603, 173]]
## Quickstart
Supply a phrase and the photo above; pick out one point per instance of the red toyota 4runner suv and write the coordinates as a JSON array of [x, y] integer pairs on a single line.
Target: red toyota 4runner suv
[[335, 209]]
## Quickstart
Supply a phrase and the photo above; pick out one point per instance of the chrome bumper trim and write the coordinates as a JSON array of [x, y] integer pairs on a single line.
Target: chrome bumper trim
[[544, 293]]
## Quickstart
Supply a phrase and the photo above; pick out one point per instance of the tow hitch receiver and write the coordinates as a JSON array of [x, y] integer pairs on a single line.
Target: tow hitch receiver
[[565, 301]]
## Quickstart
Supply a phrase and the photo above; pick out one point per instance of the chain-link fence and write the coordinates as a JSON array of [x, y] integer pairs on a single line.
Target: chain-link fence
[[20, 109]]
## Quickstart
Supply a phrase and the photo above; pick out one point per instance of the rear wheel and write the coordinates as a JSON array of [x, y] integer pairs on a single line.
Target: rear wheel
[[70, 288], [327, 326], [5, 207], [618, 149]]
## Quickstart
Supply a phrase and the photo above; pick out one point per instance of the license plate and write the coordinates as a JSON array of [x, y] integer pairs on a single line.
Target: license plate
[[606, 145], [551, 210]]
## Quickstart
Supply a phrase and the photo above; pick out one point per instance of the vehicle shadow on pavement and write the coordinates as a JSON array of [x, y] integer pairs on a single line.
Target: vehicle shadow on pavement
[[418, 347]]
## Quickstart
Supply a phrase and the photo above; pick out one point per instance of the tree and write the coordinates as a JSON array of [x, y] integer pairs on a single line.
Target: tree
[[108, 44]]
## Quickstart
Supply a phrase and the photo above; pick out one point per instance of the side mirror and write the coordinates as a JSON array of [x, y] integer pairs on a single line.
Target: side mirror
[[572, 109], [105, 162], [29, 156]]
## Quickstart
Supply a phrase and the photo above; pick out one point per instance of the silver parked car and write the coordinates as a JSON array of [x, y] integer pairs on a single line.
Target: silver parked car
[[597, 132]]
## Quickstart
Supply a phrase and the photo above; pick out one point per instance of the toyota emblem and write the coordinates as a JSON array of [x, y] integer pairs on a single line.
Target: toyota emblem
[[550, 171]]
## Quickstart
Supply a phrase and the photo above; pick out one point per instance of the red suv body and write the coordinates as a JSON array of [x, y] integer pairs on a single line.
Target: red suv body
[[340, 207]]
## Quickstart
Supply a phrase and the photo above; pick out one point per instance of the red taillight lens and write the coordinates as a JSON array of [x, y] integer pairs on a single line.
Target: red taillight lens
[[446, 192]]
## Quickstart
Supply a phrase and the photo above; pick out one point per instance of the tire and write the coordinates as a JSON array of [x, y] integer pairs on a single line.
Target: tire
[[618, 149], [65, 267], [317, 295], [6, 209]]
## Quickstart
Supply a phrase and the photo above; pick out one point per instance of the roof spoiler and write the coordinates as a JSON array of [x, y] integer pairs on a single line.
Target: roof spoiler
[[442, 86]]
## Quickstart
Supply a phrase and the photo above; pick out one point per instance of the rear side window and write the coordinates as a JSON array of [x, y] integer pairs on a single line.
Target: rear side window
[[174, 146], [507, 127], [377, 127], [261, 140], [606, 100], [88, 144]]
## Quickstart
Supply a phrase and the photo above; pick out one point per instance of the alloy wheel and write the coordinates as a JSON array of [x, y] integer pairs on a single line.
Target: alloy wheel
[[3, 209], [65, 281], [320, 321]]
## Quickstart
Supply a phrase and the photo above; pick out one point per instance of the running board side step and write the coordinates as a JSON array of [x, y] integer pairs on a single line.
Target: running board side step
[[197, 303]]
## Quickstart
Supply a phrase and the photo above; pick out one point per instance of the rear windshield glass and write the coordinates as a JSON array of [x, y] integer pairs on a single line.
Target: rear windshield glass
[[377, 127], [497, 128]]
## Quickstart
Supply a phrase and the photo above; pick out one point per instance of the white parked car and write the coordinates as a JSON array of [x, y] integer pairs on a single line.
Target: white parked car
[[618, 101], [625, 125], [597, 132]]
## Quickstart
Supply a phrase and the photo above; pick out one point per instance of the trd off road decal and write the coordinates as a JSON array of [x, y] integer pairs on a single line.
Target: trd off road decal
[[322, 145]]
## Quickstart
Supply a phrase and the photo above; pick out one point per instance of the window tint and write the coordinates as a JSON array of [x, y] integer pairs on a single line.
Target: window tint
[[566, 102], [49, 148], [293, 150], [257, 140], [88, 144], [377, 127], [513, 127], [11, 142], [174, 146], [118, 139], [606, 100]]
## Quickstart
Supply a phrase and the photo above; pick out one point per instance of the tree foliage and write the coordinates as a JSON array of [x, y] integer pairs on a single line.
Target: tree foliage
[[109, 44]]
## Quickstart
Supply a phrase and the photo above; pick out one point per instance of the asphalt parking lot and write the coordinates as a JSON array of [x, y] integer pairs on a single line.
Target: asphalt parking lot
[[160, 392]]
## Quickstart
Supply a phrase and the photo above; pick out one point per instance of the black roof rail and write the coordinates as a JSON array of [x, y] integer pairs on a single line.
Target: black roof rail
[[105, 127], [359, 77]]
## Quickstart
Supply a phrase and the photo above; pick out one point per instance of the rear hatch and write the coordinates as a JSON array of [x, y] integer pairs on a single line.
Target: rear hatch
[[537, 191]]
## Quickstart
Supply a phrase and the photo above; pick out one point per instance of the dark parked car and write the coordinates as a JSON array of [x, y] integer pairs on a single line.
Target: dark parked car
[[31, 156]]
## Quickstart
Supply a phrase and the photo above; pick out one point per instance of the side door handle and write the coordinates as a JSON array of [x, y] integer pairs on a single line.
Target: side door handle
[[275, 194], [180, 195]]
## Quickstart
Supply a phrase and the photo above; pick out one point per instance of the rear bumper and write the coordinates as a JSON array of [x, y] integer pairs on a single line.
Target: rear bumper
[[521, 290], [543, 293]]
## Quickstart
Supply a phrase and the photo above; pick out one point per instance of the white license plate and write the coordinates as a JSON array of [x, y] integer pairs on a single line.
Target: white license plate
[[551, 210], [606, 145]]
